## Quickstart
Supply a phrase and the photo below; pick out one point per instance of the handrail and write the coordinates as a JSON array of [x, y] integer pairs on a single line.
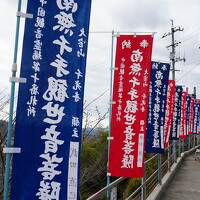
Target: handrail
[[106, 188], [163, 168], [151, 158]]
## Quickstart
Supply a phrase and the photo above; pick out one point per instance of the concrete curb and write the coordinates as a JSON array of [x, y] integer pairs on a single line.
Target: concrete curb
[[158, 191]]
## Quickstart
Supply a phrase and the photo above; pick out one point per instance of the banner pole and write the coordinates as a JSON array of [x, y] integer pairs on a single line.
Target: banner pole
[[189, 142], [11, 106], [168, 157], [143, 182], [159, 169], [110, 110]]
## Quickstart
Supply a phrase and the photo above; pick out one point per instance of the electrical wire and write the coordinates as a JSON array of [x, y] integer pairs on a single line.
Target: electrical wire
[[188, 72]]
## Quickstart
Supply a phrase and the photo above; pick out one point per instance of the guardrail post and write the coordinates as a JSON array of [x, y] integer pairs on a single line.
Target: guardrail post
[[194, 140], [168, 158], [183, 145], [179, 148], [188, 141], [143, 189], [174, 149], [159, 170]]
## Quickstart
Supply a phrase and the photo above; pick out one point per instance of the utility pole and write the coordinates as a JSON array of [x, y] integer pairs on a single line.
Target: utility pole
[[173, 46], [173, 59]]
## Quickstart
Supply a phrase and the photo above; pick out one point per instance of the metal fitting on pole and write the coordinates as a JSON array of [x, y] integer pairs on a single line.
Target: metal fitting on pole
[[14, 67]]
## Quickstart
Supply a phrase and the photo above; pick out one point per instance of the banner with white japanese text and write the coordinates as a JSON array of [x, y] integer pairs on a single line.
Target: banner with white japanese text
[[156, 107], [188, 102], [196, 117], [191, 120], [130, 100], [169, 110], [50, 105], [198, 120], [177, 114], [183, 116]]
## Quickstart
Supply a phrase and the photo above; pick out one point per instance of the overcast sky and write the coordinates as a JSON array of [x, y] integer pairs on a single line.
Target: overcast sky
[[120, 16]]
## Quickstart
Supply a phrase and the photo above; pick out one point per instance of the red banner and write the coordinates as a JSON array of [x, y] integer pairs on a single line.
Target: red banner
[[129, 110], [191, 116], [183, 116], [169, 110]]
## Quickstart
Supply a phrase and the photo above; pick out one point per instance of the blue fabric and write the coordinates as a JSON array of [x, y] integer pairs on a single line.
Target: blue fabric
[[177, 114], [33, 118], [156, 108]]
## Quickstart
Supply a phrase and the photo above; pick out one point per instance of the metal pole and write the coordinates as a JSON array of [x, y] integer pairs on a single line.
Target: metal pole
[[110, 110], [193, 140], [168, 157], [173, 77], [173, 52], [179, 147], [175, 149], [189, 141], [11, 106], [143, 189], [159, 169], [183, 145]]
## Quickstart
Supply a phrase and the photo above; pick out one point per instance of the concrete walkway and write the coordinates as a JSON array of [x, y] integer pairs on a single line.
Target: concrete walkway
[[186, 183]]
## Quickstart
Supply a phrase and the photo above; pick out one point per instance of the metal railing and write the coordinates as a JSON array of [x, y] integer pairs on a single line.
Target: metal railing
[[154, 177]]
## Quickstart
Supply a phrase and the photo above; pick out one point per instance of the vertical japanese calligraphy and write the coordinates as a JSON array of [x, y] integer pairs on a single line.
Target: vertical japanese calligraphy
[[175, 130], [183, 116], [196, 119], [191, 120], [188, 102], [50, 105], [198, 116], [129, 110], [156, 109], [169, 111]]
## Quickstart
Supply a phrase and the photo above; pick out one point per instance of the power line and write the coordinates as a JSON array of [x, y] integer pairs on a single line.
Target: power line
[[188, 72]]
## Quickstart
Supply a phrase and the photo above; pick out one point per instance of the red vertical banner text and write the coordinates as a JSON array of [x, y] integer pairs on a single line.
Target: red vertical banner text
[[130, 100], [169, 111], [183, 116], [191, 116]]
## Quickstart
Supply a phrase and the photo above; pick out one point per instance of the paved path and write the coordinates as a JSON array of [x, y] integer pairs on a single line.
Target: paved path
[[186, 182]]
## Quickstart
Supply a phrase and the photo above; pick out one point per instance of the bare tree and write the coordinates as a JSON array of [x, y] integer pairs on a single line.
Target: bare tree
[[4, 101]]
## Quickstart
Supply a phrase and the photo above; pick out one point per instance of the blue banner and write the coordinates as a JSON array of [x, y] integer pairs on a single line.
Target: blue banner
[[50, 105], [188, 100], [196, 117], [156, 108], [177, 114]]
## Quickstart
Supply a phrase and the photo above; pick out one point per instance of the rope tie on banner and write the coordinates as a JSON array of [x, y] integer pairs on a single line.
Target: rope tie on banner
[[108, 174], [24, 15], [114, 68], [116, 34], [110, 138], [14, 67]]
